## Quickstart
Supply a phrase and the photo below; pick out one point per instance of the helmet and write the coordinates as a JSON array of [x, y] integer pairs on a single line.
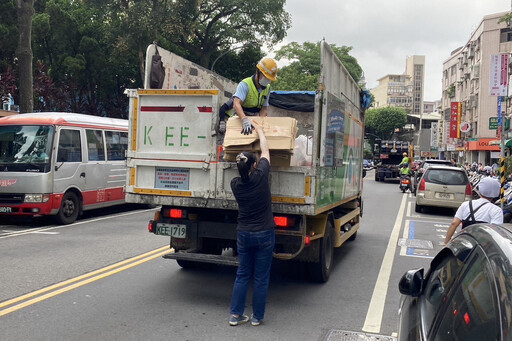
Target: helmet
[[405, 154], [268, 67]]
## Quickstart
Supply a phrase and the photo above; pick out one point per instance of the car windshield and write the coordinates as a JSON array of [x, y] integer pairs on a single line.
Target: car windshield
[[28, 145], [446, 177]]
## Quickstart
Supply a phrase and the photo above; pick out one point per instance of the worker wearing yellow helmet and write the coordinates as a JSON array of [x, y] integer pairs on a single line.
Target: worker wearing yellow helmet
[[404, 160], [251, 96]]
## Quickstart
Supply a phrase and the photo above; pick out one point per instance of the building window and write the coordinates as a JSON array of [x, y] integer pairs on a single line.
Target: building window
[[505, 35]]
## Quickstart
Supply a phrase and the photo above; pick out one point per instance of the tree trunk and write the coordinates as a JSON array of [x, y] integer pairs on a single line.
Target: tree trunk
[[24, 53]]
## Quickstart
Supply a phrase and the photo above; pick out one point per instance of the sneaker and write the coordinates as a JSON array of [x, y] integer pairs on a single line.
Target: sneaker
[[255, 321], [235, 321]]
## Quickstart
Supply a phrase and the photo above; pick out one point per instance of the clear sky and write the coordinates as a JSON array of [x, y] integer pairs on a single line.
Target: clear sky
[[383, 33]]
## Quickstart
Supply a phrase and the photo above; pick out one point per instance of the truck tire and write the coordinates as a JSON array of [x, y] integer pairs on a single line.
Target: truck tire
[[69, 209], [418, 208], [320, 271]]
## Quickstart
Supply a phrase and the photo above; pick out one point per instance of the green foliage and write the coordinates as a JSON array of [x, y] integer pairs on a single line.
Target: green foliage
[[384, 121], [506, 18], [91, 51], [450, 92], [8, 33], [304, 70]]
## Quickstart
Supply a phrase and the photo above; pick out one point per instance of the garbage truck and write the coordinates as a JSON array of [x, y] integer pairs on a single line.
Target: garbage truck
[[176, 160], [387, 155]]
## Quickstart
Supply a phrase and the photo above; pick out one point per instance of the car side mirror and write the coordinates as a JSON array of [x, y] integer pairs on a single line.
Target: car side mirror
[[411, 283]]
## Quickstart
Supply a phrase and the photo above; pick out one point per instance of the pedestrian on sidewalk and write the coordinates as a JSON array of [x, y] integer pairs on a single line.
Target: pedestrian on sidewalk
[[481, 210], [255, 232]]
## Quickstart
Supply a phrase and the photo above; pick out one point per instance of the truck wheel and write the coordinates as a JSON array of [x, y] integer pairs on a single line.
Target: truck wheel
[[376, 177], [69, 209], [321, 270], [353, 237], [418, 208]]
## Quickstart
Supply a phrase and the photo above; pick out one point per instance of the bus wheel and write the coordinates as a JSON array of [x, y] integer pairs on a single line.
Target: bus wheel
[[321, 270], [69, 208]]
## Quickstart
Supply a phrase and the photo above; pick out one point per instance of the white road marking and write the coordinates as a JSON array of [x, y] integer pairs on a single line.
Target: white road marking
[[44, 229], [373, 320], [45, 232], [405, 235]]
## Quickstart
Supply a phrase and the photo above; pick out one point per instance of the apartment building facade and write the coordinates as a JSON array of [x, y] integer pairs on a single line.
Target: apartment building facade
[[467, 104], [406, 91]]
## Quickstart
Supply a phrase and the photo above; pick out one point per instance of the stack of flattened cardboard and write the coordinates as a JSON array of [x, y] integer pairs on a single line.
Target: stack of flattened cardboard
[[279, 131]]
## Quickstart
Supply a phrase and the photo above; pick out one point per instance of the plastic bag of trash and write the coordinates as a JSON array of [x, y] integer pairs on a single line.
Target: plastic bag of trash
[[303, 146]]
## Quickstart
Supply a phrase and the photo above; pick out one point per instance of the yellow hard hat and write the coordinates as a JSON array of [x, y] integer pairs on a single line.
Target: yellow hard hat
[[268, 67], [405, 154]]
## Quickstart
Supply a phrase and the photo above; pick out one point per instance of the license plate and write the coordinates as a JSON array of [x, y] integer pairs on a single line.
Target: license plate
[[4, 209], [444, 195], [173, 230]]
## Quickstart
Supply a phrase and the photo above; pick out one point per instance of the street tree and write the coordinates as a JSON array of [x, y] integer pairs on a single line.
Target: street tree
[[213, 25], [304, 69], [384, 121], [24, 54]]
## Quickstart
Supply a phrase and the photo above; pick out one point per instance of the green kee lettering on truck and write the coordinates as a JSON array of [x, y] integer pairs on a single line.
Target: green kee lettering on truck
[[183, 136], [167, 136], [146, 135]]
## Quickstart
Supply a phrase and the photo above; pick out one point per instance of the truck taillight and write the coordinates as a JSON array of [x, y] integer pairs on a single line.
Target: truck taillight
[[469, 190], [422, 185], [284, 221], [151, 226], [175, 213]]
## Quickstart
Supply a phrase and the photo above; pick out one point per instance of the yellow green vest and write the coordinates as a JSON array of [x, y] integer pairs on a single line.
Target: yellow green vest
[[254, 99]]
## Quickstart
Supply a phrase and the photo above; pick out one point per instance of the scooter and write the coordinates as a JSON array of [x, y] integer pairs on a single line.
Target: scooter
[[405, 183]]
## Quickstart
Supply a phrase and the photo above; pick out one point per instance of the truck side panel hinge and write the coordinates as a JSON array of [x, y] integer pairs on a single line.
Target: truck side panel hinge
[[207, 161]]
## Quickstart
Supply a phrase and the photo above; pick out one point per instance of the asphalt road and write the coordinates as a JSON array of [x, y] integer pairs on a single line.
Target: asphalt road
[[103, 278]]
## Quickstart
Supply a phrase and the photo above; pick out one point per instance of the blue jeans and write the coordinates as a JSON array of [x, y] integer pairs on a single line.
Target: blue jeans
[[255, 253]]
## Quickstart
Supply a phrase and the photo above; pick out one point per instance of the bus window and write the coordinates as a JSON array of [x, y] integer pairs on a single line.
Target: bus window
[[117, 143], [95, 145], [70, 148]]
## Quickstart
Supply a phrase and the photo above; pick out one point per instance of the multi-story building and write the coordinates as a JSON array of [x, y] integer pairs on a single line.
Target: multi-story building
[[406, 91], [466, 85], [395, 91]]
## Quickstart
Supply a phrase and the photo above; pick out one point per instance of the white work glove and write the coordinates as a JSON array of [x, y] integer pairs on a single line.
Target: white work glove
[[246, 126], [222, 127]]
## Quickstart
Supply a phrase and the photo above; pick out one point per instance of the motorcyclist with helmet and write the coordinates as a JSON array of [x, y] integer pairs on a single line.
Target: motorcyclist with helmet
[[405, 173]]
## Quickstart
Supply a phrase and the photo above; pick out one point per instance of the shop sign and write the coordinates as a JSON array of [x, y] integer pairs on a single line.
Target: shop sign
[[482, 144], [455, 119], [493, 123], [499, 75], [465, 127]]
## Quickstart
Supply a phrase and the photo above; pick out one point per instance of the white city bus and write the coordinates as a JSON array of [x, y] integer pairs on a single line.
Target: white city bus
[[61, 164]]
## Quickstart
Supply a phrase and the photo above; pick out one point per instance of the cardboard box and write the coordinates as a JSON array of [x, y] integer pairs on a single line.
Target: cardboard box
[[277, 159], [279, 131]]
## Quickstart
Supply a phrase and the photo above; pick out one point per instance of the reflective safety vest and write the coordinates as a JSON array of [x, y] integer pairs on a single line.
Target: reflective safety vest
[[254, 99]]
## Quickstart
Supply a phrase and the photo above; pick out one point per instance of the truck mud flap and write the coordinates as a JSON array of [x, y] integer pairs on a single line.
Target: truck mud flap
[[203, 258]]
